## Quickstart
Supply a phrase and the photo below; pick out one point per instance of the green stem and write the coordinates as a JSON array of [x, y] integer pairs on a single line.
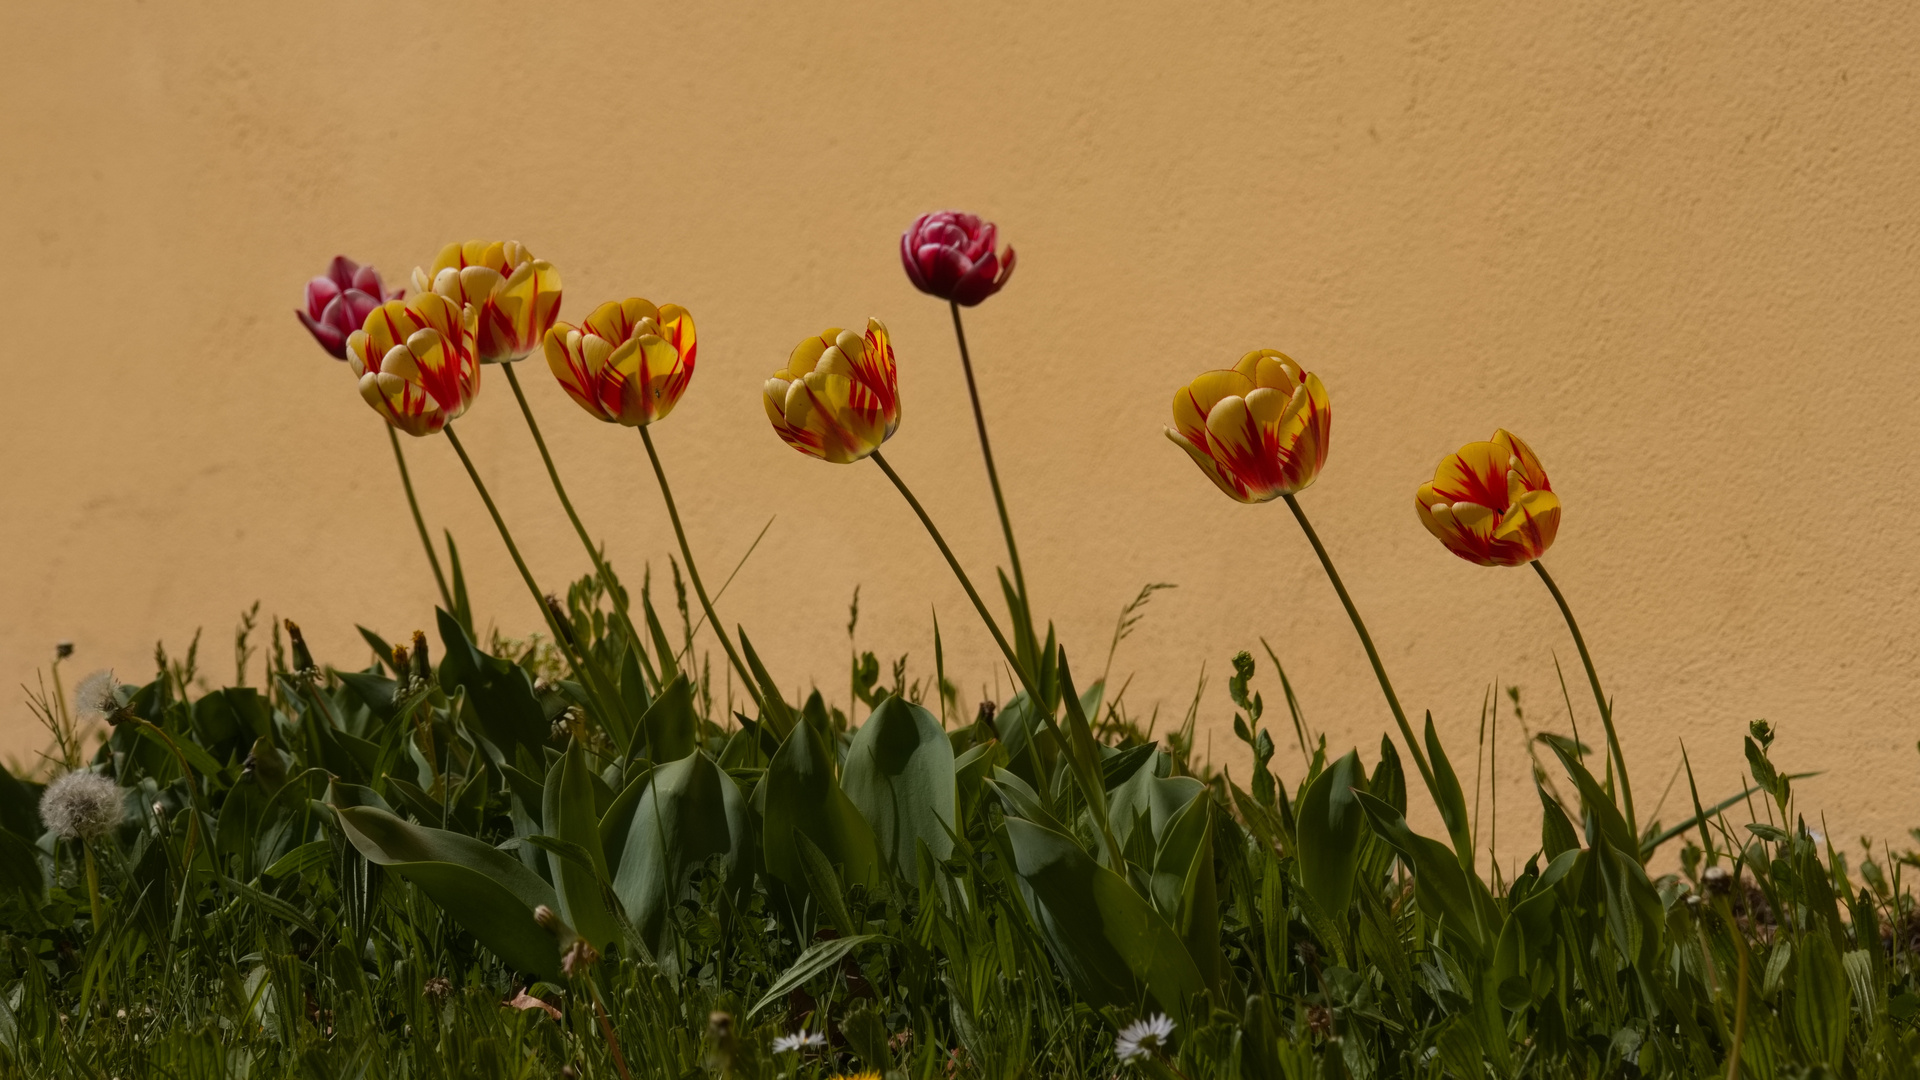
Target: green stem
[[1366, 641], [93, 887], [593, 551], [693, 573], [560, 637], [1089, 781], [1599, 696], [993, 475], [420, 523]]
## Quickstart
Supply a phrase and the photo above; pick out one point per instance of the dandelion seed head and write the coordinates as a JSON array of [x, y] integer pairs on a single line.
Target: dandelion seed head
[[81, 806], [97, 696], [1143, 1038]]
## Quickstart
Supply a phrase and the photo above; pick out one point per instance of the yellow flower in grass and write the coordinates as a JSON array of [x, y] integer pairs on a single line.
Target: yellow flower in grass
[[415, 361], [1490, 503], [516, 295], [1259, 430], [628, 363], [838, 398]]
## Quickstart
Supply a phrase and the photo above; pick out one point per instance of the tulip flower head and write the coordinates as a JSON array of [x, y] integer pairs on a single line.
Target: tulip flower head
[[629, 363], [1259, 430], [516, 295], [1491, 503], [416, 363], [950, 255], [838, 398], [339, 300]]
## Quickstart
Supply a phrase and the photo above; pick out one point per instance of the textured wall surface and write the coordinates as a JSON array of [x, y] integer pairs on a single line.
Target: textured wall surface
[[1671, 245]]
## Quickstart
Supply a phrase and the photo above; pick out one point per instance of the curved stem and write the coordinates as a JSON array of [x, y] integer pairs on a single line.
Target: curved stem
[[1085, 771], [693, 573], [993, 474], [593, 552], [1599, 696], [1366, 641], [560, 637], [420, 523]]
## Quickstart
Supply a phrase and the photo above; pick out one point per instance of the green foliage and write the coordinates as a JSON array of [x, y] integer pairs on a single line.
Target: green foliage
[[396, 872]]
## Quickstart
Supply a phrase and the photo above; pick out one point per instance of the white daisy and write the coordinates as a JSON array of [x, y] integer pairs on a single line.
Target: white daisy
[[1143, 1038], [81, 806], [799, 1040]]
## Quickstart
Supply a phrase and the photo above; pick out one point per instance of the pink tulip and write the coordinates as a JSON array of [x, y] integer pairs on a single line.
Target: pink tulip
[[950, 255], [339, 301]]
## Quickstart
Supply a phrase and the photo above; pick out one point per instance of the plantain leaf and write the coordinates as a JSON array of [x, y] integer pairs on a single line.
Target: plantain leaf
[[900, 775], [816, 959]]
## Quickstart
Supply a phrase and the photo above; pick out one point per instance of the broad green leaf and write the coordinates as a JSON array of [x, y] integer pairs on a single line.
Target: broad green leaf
[[570, 813], [670, 725], [1149, 797], [899, 774], [803, 796], [501, 691], [1328, 823], [688, 813], [777, 712], [485, 890], [1184, 890], [1556, 832], [1448, 797], [1107, 940], [1601, 812], [1442, 889]]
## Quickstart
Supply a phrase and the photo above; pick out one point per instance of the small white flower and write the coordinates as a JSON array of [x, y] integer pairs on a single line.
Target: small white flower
[[81, 806], [97, 696], [1143, 1038], [799, 1040]]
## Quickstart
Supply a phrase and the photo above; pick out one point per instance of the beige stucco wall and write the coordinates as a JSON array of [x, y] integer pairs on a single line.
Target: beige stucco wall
[[1672, 245]]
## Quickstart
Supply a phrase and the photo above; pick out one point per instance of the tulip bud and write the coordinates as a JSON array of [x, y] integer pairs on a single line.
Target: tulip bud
[[1490, 503], [629, 363], [515, 296], [340, 300], [950, 255], [1259, 430], [416, 363], [838, 398]]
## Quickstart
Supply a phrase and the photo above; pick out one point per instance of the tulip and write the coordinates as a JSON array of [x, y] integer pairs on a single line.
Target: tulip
[[415, 361], [629, 363], [838, 398], [339, 300], [517, 296], [950, 255], [1491, 503], [1259, 430]]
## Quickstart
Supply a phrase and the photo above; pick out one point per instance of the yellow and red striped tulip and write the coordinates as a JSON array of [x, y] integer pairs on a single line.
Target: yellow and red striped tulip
[[516, 295], [628, 363], [1259, 430], [415, 361], [838, 398], [1490, 503]]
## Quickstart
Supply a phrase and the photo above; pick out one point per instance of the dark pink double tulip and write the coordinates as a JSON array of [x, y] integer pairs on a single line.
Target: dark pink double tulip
[[951, 256], [339, 301]]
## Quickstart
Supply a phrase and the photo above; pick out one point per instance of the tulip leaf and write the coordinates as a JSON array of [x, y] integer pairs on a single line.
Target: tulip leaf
[[1443, 890], [802, 796], [774, 708], [690, 812], [485, 890], [1184, 889], [500, 690], [1106, 940], [1328, 826], [571, 814], [1146, 795], [670, 725], [1447, 795], [900, 774], [1602, 815]]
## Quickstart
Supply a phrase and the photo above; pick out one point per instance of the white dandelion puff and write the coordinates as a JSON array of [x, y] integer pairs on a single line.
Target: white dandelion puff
[[1143, 1038], [799, 1040], [81, 806], [97, 696]]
